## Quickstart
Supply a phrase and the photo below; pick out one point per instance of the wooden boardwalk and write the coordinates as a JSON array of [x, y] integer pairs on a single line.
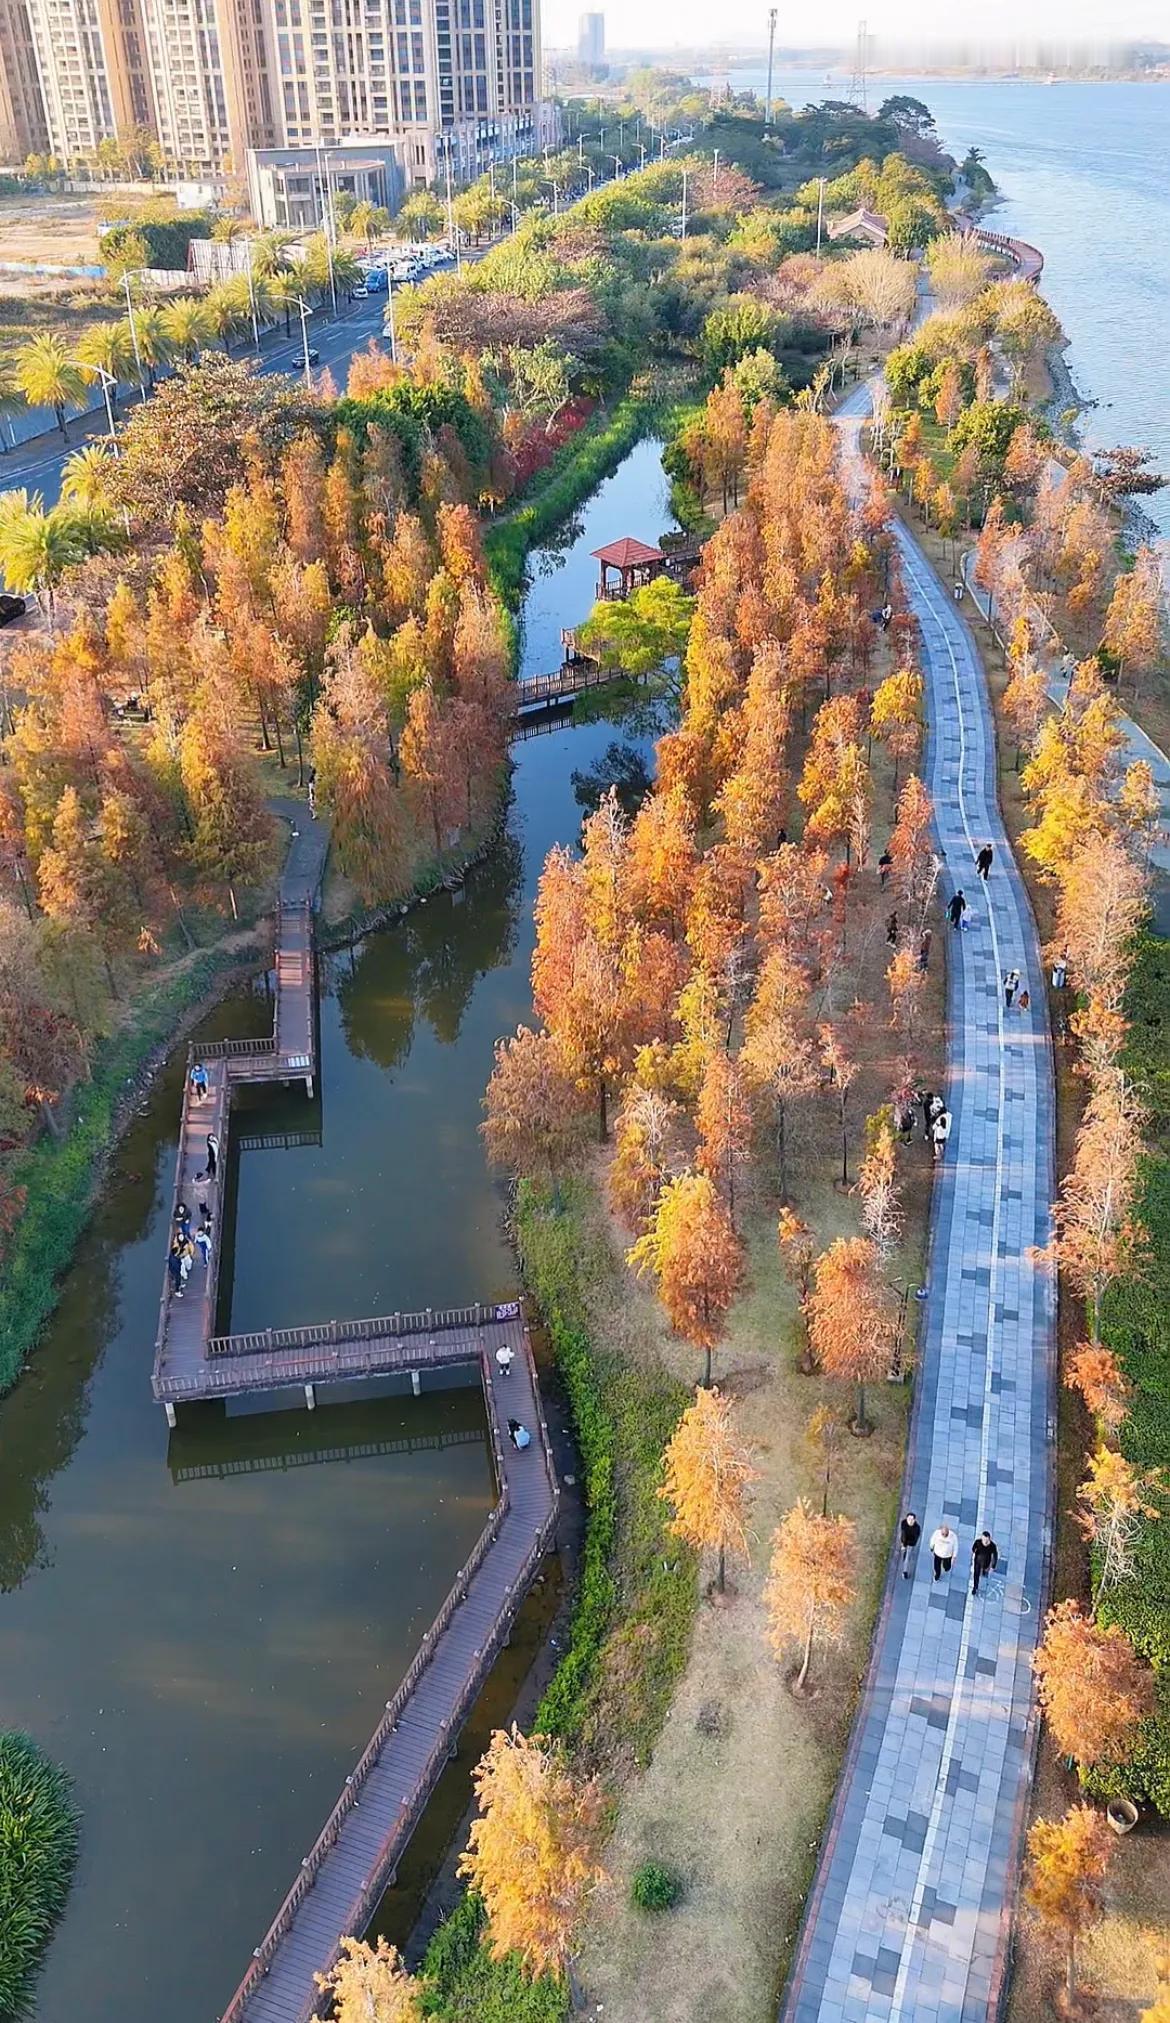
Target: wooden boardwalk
[[355, 1856], [340, 1880]]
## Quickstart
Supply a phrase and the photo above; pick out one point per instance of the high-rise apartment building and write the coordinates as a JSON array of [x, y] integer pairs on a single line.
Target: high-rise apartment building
[[447, 81], [22, 113], [92, 72], [591, 40]]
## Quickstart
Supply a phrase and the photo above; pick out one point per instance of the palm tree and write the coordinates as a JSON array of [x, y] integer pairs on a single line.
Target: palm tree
[[284, 292], [85, 476], [154, 345], [187, 326], [229, 309], [47, 377], [36, 548], [369, 222], [269, 255], [108, 346]]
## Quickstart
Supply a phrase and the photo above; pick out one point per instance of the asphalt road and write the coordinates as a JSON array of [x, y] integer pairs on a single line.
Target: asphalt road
[[36, 466]]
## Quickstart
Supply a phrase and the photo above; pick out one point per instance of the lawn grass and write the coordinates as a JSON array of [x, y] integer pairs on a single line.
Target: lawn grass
[[38, 1849]]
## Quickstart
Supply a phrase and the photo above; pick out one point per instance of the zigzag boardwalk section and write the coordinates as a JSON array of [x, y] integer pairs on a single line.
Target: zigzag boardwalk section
[[909, 1914], [355, 1856]]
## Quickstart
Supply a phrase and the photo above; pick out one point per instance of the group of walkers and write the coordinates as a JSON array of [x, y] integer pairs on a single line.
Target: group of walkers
[[190, 1244], [936, 1119], [944, 1546]]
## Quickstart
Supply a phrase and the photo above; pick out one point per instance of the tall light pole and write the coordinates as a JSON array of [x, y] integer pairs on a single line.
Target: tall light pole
[[556, 194], [589, 173], [391, 331], [642, 152], [683, 232], [617, 168], [771, 46], [820, 212], [134, 331], [108, 380], [715, 175], [303, 306]]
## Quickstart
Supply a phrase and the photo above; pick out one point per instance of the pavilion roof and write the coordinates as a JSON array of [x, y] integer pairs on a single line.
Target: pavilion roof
[[626, 553]]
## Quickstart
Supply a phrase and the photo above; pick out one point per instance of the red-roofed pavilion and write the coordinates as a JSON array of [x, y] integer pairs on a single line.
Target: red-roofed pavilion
[[634, 561]]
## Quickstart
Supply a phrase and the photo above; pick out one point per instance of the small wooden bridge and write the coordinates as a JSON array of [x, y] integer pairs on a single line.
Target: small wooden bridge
[[354, 1858]]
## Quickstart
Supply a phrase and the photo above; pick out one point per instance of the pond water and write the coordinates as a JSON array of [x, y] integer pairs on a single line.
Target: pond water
[[203, 1628]]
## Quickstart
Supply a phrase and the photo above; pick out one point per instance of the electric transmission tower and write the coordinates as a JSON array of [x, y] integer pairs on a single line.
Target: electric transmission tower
[[857, 93]]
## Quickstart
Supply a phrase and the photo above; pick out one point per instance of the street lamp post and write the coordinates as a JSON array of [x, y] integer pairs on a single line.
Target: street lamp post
[[617, 168], [390, 330], [328, 224], [820, 212], [552, 181], [303, 306], [134, 329], [108, 380], [683, 232]]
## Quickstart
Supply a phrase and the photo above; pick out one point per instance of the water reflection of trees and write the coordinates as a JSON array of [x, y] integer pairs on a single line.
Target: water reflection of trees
[[429, 964], [621, 767]]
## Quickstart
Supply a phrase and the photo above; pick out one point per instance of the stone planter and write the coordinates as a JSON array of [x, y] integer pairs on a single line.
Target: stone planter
[[1122, 1815]]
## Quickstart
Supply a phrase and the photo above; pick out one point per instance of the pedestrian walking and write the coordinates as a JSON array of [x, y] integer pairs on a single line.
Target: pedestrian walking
[[909, 1534], [904, 1118], [519, 1435], [198, 1081], [892, 930], [186, 1260], [924, 950], [1024, 1000], [885, 863], [505, 1357], [212, 1157], [202, 1242], [940, 1131], [984, 1559], [928, 1099], [957, 592], [175, 1268], [956, 908], [983, 862], [182, 1219], [1011, 984], [943, 1547]]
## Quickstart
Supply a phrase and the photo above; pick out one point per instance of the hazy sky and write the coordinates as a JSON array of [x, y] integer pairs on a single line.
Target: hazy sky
[[667, 22]]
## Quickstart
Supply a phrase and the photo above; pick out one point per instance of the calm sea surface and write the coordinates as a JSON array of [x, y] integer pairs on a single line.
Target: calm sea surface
[[1083, 170]]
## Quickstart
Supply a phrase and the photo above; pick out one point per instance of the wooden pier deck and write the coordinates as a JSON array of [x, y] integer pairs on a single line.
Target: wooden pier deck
[[355, 1857]]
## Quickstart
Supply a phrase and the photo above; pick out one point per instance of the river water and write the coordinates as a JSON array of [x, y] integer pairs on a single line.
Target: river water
[[1082, 169], [203, 1628]]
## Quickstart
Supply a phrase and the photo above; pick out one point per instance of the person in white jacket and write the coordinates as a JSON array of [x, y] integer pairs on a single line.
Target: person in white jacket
[[943, 1547]]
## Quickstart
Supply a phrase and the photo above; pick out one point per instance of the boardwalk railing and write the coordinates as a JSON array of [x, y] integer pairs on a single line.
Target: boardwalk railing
[[208, 1285], [336, 1334], [234, 1050], [358, 1912]]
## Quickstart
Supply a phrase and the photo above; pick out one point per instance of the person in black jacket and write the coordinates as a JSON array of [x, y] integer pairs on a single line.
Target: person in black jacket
[[984, 1558], [909, 1533]]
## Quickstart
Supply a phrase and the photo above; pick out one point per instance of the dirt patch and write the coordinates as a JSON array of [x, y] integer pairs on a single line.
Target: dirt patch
[[62, 231]]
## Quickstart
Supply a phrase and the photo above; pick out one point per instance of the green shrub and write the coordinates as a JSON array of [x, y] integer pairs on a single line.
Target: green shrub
[[1136, 1324], [655, 1887], [465, 1985], [38, 1847]]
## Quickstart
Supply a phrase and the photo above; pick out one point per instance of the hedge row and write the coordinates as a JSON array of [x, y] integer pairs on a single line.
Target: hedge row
[[59, 1175], [38, 1848], [637, 1594], [1136, 1323]]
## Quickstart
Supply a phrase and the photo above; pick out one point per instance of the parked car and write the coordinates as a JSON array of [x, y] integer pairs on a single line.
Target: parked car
[[313, 355], [359, 293], [11, 607]]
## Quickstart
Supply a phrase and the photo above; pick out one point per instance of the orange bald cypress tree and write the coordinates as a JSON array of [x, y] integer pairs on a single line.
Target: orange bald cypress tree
[[1093, 1688], [532, 1853], [706, 1471], [852, 1317], [1068, 1858], [692, 1250], [812, 1583]]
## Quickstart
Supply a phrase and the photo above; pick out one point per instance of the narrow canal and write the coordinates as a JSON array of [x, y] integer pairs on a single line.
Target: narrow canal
[[203, 1628]]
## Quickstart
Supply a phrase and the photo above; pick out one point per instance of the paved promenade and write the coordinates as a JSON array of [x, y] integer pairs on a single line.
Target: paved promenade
[[909, 1912]]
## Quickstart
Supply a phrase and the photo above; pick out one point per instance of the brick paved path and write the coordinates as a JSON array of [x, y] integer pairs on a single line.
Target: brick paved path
[[909, 1912]]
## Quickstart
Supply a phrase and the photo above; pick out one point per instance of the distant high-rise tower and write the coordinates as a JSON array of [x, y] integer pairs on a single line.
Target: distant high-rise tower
[[591, 40], [22, 110]]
